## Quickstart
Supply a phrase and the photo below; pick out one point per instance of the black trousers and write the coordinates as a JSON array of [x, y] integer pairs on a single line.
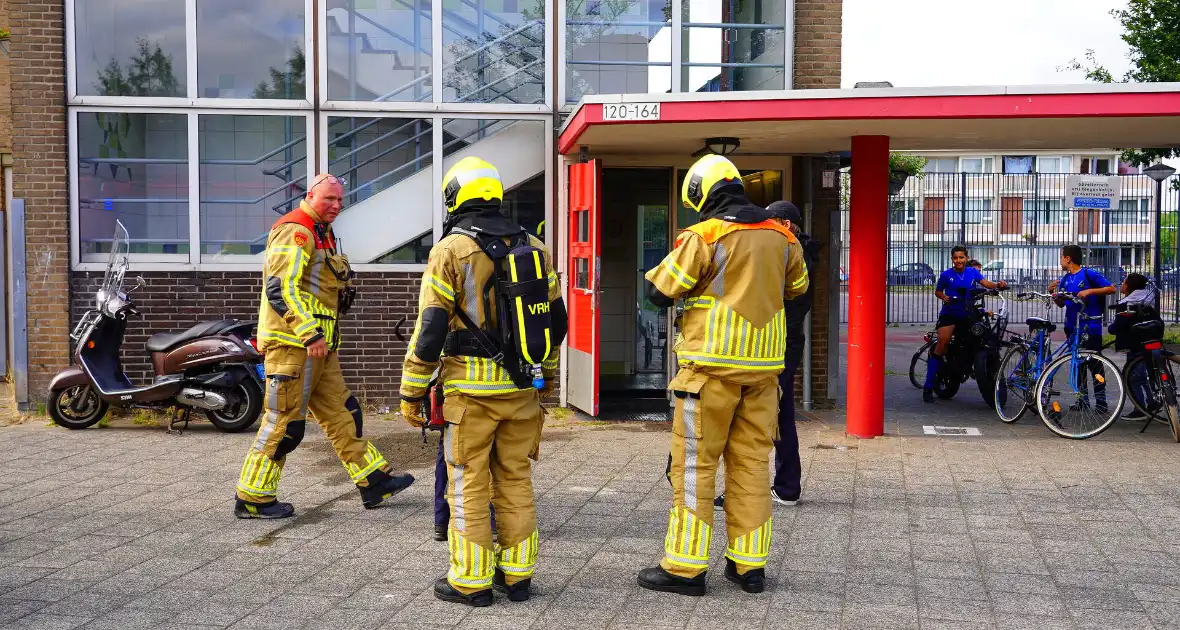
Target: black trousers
[[788, 470]]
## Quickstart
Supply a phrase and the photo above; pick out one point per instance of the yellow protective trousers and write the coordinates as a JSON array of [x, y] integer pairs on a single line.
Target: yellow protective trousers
[[487, 444], [715, 418], [296, 384]]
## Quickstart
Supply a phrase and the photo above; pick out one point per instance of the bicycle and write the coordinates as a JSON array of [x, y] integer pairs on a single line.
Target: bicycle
[[1029, 371], [1149, 374]]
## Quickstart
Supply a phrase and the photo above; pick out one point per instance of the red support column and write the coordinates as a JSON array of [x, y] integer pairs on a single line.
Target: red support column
[[868, 257]]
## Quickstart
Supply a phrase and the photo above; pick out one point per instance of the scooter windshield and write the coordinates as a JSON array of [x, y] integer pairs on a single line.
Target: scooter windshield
[[117, 263]]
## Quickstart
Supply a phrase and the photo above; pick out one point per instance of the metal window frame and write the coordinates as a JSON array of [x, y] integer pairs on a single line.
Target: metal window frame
[[192, 90], [169, 262], [437, 105]]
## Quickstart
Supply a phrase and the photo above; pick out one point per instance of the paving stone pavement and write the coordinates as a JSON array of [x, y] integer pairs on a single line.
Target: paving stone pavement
[[128, 527]]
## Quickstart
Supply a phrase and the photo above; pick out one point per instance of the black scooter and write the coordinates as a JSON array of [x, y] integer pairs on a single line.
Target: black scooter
[[975, 354]]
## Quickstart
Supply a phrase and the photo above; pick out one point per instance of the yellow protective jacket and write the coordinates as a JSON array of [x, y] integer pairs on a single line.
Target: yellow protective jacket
[[456, 273], [733, 279], [302, 279]]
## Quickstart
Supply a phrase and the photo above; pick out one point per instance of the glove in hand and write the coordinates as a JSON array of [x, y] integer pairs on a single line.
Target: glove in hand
[[412, 412]]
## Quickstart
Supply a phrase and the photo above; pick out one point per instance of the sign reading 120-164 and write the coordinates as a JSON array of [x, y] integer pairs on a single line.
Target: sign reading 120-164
[[631, 111]]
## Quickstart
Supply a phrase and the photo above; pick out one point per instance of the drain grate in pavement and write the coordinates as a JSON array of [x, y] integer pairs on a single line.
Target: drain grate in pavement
[[936, 430]]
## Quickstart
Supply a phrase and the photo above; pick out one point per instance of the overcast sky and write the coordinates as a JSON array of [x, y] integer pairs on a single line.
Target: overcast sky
[[915, 43]]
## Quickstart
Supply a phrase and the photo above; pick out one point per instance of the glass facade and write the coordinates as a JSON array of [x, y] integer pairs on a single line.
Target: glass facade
[[733, 45], [250, 49], [130, 48], [169, 135], [133, 168], [618, 48], [251, 168]]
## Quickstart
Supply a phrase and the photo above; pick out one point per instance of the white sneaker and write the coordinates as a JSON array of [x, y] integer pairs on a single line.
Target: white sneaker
[[781, 501]]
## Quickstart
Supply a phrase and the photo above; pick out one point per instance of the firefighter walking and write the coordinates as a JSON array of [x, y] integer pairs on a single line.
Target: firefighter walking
[[732, 271], [490, 311], [307, 286]]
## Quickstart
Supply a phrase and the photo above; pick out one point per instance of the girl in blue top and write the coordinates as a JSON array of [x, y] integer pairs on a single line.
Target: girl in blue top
[[954, 290]]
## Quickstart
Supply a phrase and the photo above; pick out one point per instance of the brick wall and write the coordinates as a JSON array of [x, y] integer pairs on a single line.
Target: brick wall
[[38, 85], [818, 27], [370, 354]]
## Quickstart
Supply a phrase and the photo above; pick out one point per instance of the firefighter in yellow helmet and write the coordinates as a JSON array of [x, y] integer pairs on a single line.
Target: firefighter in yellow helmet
[[732, 272], [490, 311], [307, 286]]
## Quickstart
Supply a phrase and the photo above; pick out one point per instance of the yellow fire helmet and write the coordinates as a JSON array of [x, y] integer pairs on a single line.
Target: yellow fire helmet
[[707, 174], [471, 179]]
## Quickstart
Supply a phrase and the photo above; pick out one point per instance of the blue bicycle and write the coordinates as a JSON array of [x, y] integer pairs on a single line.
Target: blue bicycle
[[1078, 393]]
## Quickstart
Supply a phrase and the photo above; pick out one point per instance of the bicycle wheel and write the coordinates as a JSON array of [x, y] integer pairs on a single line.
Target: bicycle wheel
[[1141, 392], [1015, 383], [1080, 399], [921, 358], [1168, 387]]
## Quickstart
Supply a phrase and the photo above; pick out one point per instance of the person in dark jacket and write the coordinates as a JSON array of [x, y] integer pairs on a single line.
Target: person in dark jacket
[[788, 470]]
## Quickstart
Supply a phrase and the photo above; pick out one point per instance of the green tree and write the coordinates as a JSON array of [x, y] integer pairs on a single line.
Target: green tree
[[147, 73], [1152, 30], [287, 83]]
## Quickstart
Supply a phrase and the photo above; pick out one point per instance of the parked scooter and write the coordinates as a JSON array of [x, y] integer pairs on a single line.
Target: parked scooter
[[975, 354], [213, 366]]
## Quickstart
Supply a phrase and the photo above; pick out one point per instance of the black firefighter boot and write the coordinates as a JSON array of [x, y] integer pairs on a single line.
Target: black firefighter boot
[[273, 509], [657, 579], [447, 593], [383, 485], [753, 581], [518, 592]]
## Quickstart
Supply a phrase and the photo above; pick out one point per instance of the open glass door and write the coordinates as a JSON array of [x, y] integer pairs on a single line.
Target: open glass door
[[584, 299]]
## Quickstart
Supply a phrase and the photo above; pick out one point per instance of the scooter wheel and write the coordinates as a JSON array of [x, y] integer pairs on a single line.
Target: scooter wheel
[[244, 413], [61, 406]]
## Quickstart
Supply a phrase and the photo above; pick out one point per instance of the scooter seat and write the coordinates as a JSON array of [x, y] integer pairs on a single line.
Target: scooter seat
[[1039, 323], [161, 342]]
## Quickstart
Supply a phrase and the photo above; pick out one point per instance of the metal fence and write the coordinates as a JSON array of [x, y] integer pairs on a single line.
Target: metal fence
[[1015, 226]]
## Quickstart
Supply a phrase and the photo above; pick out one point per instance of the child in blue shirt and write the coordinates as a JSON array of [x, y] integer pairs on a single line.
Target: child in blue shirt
[[954, 291]]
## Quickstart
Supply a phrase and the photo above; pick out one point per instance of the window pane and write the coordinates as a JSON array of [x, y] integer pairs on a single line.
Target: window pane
[[134, 168], [130, 48], [374, 155], [250, 49], [634, 34], [1018, 164], [583, 226], [747, 53], [253, 169], [581, 273], [523, 178], [494, 55], [525, 204], [378, 50]]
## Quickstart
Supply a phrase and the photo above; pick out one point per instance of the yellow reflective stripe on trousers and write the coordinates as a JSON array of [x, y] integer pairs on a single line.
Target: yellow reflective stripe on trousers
[[687, 542], [260, 475], [753, 548], [520, 559], [472, 566], [373, 461]]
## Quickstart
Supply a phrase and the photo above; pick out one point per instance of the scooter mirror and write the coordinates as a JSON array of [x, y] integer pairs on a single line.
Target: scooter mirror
[[139, 284]]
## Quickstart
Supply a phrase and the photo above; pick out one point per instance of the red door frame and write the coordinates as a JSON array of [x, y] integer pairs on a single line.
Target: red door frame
[[584, 286]]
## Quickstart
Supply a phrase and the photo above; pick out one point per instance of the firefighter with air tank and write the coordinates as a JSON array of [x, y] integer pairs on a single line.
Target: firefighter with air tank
[[491, 319]]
